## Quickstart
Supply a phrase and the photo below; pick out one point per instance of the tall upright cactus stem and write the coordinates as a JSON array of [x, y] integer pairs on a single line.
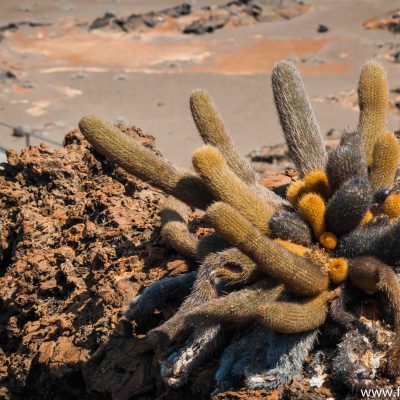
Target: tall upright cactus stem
[[300, 275], [141, 162], [301, 130], [373, 93]]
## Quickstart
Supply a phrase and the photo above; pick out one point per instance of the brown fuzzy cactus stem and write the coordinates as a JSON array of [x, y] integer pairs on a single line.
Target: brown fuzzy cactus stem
[[300, 276], [203, 291], [373, 92], [301, 130], [236, 308], [174, 227], [294, 317], [141, 162], [233, 266], [370, 275], [385, 160], [209, 244], [226, 186]]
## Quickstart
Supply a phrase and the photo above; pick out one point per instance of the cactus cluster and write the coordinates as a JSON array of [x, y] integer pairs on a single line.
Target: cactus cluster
[[274, 268]]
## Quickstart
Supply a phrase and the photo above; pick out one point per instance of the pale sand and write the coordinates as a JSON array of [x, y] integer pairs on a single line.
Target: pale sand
[[234, 65]]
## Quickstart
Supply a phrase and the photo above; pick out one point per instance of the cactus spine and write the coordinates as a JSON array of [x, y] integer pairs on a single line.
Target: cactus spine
[[298, 274], [301, 130], [288, 317], [120, 149], [174, 228], [226, 186], [373, 94], [213, 132], [312, 207], [391, 206], [385, 160]]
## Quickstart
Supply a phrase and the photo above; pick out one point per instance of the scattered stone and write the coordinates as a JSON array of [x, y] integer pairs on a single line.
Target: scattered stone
[[389, 22], [13, 26], [102, 21], [207, 19], [7, 75], [322, 28], [209, 25]]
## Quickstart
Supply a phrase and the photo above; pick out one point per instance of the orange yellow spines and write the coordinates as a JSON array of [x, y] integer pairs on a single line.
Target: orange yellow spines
[[391, 206], [328, 241], [386, 157], [312, 207], [368, 216], [293, 247], [338, 270], [295, 190], [373, 92], [317, 182]]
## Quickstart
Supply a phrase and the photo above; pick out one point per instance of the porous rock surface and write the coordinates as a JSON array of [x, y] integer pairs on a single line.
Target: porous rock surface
[[79, 239]]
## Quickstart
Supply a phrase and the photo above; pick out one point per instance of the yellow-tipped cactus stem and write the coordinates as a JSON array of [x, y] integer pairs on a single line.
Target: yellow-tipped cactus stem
[[213, 132], [293, 247], [312, 207], [288, 317], [368, 216], [328, 241], [295, 190], [141, 162], [373, 92], [338, 270], [174, 227], [300, 276], [317, 182], [386, 157], [391, 206], [228, 187]]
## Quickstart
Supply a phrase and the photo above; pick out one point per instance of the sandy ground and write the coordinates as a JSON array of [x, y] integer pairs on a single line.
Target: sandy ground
[[63, 71]]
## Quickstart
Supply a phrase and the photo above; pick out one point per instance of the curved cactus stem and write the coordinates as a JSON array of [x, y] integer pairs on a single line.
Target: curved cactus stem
[[141, 162]]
